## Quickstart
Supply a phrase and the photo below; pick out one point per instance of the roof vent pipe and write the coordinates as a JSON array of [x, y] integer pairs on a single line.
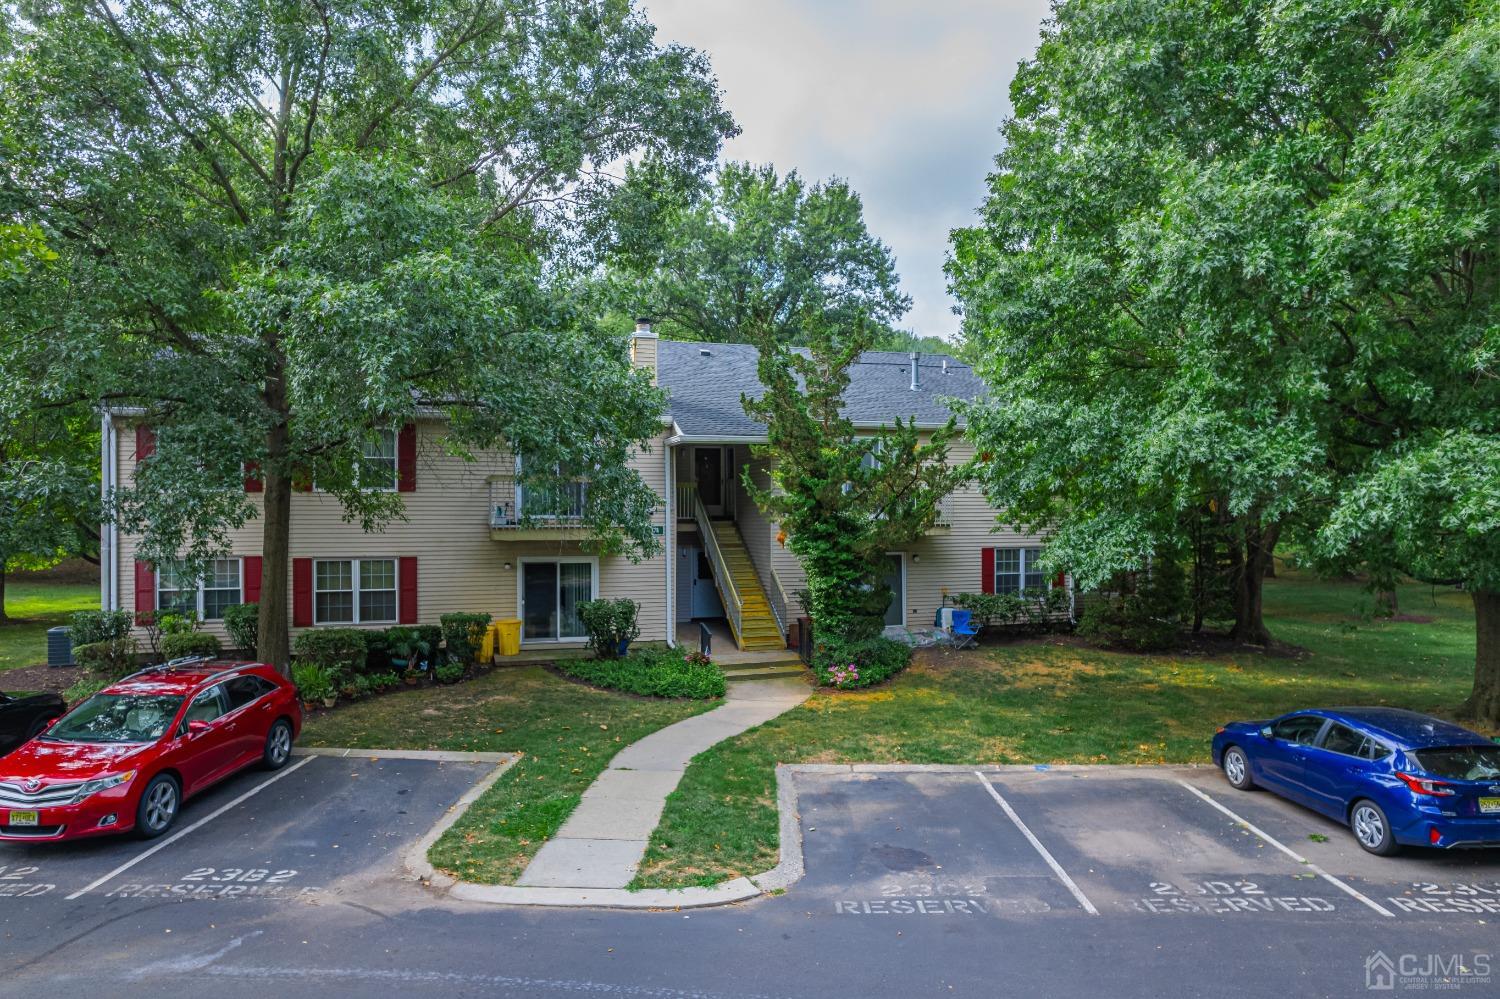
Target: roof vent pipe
[[643, 326], [945, 365], [916, 375]]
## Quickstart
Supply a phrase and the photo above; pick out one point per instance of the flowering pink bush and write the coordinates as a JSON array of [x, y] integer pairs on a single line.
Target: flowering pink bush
[[843, 676]]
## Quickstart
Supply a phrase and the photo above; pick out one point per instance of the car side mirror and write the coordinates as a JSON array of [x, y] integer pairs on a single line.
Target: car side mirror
[[196, 727], [1266, 732]]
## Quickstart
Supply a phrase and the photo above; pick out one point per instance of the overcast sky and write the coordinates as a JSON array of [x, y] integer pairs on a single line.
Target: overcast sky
[[900, 97]]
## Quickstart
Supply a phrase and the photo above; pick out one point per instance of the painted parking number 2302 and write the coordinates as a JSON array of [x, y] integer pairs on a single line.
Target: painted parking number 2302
[[1208, 888], [243, 875]]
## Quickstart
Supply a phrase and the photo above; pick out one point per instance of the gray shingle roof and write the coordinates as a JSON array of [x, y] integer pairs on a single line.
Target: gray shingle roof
[[705, 382]]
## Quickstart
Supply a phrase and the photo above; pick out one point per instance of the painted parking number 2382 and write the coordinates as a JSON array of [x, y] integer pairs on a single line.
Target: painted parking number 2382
[[242, 875]]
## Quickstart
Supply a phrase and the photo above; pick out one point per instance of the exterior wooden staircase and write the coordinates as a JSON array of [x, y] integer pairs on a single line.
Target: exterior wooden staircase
[[756, 628]]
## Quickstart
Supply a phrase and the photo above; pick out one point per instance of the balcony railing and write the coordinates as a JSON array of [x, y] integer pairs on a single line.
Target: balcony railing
[[513, 504]]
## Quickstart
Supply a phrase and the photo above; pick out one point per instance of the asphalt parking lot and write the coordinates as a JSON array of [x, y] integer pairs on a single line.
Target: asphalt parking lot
[[1057, 882], [1111, 843], [324, 826]]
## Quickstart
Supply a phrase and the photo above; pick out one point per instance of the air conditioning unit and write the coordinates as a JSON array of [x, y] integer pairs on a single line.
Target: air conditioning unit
[[60, 646]]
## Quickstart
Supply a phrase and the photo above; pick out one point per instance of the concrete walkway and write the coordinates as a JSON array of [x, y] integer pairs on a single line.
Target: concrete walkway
[[603, 841]]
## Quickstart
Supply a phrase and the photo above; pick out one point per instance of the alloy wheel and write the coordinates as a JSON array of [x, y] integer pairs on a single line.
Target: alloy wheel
[[281, 744], [161, 805], [1369, 827], [1234, 766]]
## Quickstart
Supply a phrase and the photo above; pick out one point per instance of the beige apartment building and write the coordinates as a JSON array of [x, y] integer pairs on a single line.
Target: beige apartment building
[[474, 540]]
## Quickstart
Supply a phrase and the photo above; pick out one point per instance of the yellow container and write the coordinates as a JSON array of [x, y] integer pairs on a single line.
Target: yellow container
[[490, 642], [509, 634]]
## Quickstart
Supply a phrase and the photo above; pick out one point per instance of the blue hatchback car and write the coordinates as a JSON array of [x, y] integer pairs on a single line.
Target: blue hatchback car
[[1394, 777]]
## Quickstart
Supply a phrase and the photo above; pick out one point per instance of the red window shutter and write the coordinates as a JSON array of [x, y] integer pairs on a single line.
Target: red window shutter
[[145, 442], [252, 580], [145, 591], [253, 484], [1060, 581], [987, 570], [406, 590], [406, 459], [302, 593]]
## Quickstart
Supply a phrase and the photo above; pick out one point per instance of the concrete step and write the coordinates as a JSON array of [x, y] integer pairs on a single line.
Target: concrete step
[[762, 671]]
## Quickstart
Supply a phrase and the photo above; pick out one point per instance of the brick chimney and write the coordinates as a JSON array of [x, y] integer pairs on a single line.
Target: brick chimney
[[643, 344]]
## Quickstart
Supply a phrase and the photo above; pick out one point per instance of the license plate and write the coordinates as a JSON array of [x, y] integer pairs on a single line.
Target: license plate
[[30, 818], [1486, 805]]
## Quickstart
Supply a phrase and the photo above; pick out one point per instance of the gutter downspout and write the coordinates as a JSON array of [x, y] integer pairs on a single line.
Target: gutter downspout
[[108, 539], [670, 490]]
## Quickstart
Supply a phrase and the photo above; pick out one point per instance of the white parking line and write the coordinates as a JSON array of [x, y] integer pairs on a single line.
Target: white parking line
[[1083, 899], [183, 832], [1314, 868]]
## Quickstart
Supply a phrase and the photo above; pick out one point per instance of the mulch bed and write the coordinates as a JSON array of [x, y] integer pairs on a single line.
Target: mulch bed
[[39, 678]]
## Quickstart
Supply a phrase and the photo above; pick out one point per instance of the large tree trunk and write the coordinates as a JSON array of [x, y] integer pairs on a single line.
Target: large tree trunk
[[1386, 604], [272, 634], [1484, 702], [1249, 624]]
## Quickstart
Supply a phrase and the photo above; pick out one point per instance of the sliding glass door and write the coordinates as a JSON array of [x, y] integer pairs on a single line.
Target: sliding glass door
[[550, 595]]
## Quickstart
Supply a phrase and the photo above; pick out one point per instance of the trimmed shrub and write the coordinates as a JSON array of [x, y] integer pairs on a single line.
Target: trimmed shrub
[[109, 659], [652, 673], [189, 643], [176, 623], [449, 672], [313, 682], [91, 627], [339, 650], [1036, 608], [242, 621], [849, 665], [377, 653], [609, 623], [464, 634], [432, 634]]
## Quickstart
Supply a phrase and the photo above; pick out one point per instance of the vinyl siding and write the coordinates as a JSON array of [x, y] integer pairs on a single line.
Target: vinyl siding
[[446, 529], [946, 559]]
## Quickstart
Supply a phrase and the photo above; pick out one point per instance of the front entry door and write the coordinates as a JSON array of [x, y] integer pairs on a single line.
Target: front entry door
[[894, 578], [708, 472], [706, 601]]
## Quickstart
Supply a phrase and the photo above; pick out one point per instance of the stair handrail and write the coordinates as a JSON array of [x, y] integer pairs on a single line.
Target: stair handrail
[[722, 578], [786, 601]]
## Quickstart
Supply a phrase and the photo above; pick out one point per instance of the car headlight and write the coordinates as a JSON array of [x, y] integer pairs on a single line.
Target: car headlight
[[102, 784]]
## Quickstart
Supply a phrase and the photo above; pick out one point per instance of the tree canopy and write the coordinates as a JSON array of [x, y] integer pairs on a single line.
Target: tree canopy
[[749, 253], [1238, 264], [285, 226]]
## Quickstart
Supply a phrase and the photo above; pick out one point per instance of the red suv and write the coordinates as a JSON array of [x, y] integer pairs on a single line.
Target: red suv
[[128, 756]]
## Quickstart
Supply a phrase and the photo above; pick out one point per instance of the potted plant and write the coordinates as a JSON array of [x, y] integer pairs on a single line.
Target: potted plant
[[409, 650]]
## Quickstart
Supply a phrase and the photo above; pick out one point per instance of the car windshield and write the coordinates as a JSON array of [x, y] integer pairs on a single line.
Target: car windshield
[[117, 718], [1461, 762]]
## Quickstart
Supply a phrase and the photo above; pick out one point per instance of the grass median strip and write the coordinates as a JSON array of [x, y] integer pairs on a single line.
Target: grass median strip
[[1055, 700], [566, 731]]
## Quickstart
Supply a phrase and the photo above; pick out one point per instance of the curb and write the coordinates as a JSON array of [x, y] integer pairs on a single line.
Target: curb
[[434, 755]]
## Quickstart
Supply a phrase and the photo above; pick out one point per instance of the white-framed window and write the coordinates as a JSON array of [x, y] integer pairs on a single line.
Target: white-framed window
[[548, 595], [1018, 569], [223, 586], [380, 468], [354, 591]]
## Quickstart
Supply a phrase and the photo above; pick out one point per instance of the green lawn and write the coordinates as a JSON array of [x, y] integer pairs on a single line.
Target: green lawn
[[1055, 700], [567, 731], [33, 608]]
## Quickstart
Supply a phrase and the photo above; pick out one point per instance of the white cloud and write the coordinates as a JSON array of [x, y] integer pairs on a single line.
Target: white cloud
[[902, 99]]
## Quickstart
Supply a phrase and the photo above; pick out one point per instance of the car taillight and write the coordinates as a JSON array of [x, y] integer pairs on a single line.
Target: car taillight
[[1425, 785], [1220, 730]]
